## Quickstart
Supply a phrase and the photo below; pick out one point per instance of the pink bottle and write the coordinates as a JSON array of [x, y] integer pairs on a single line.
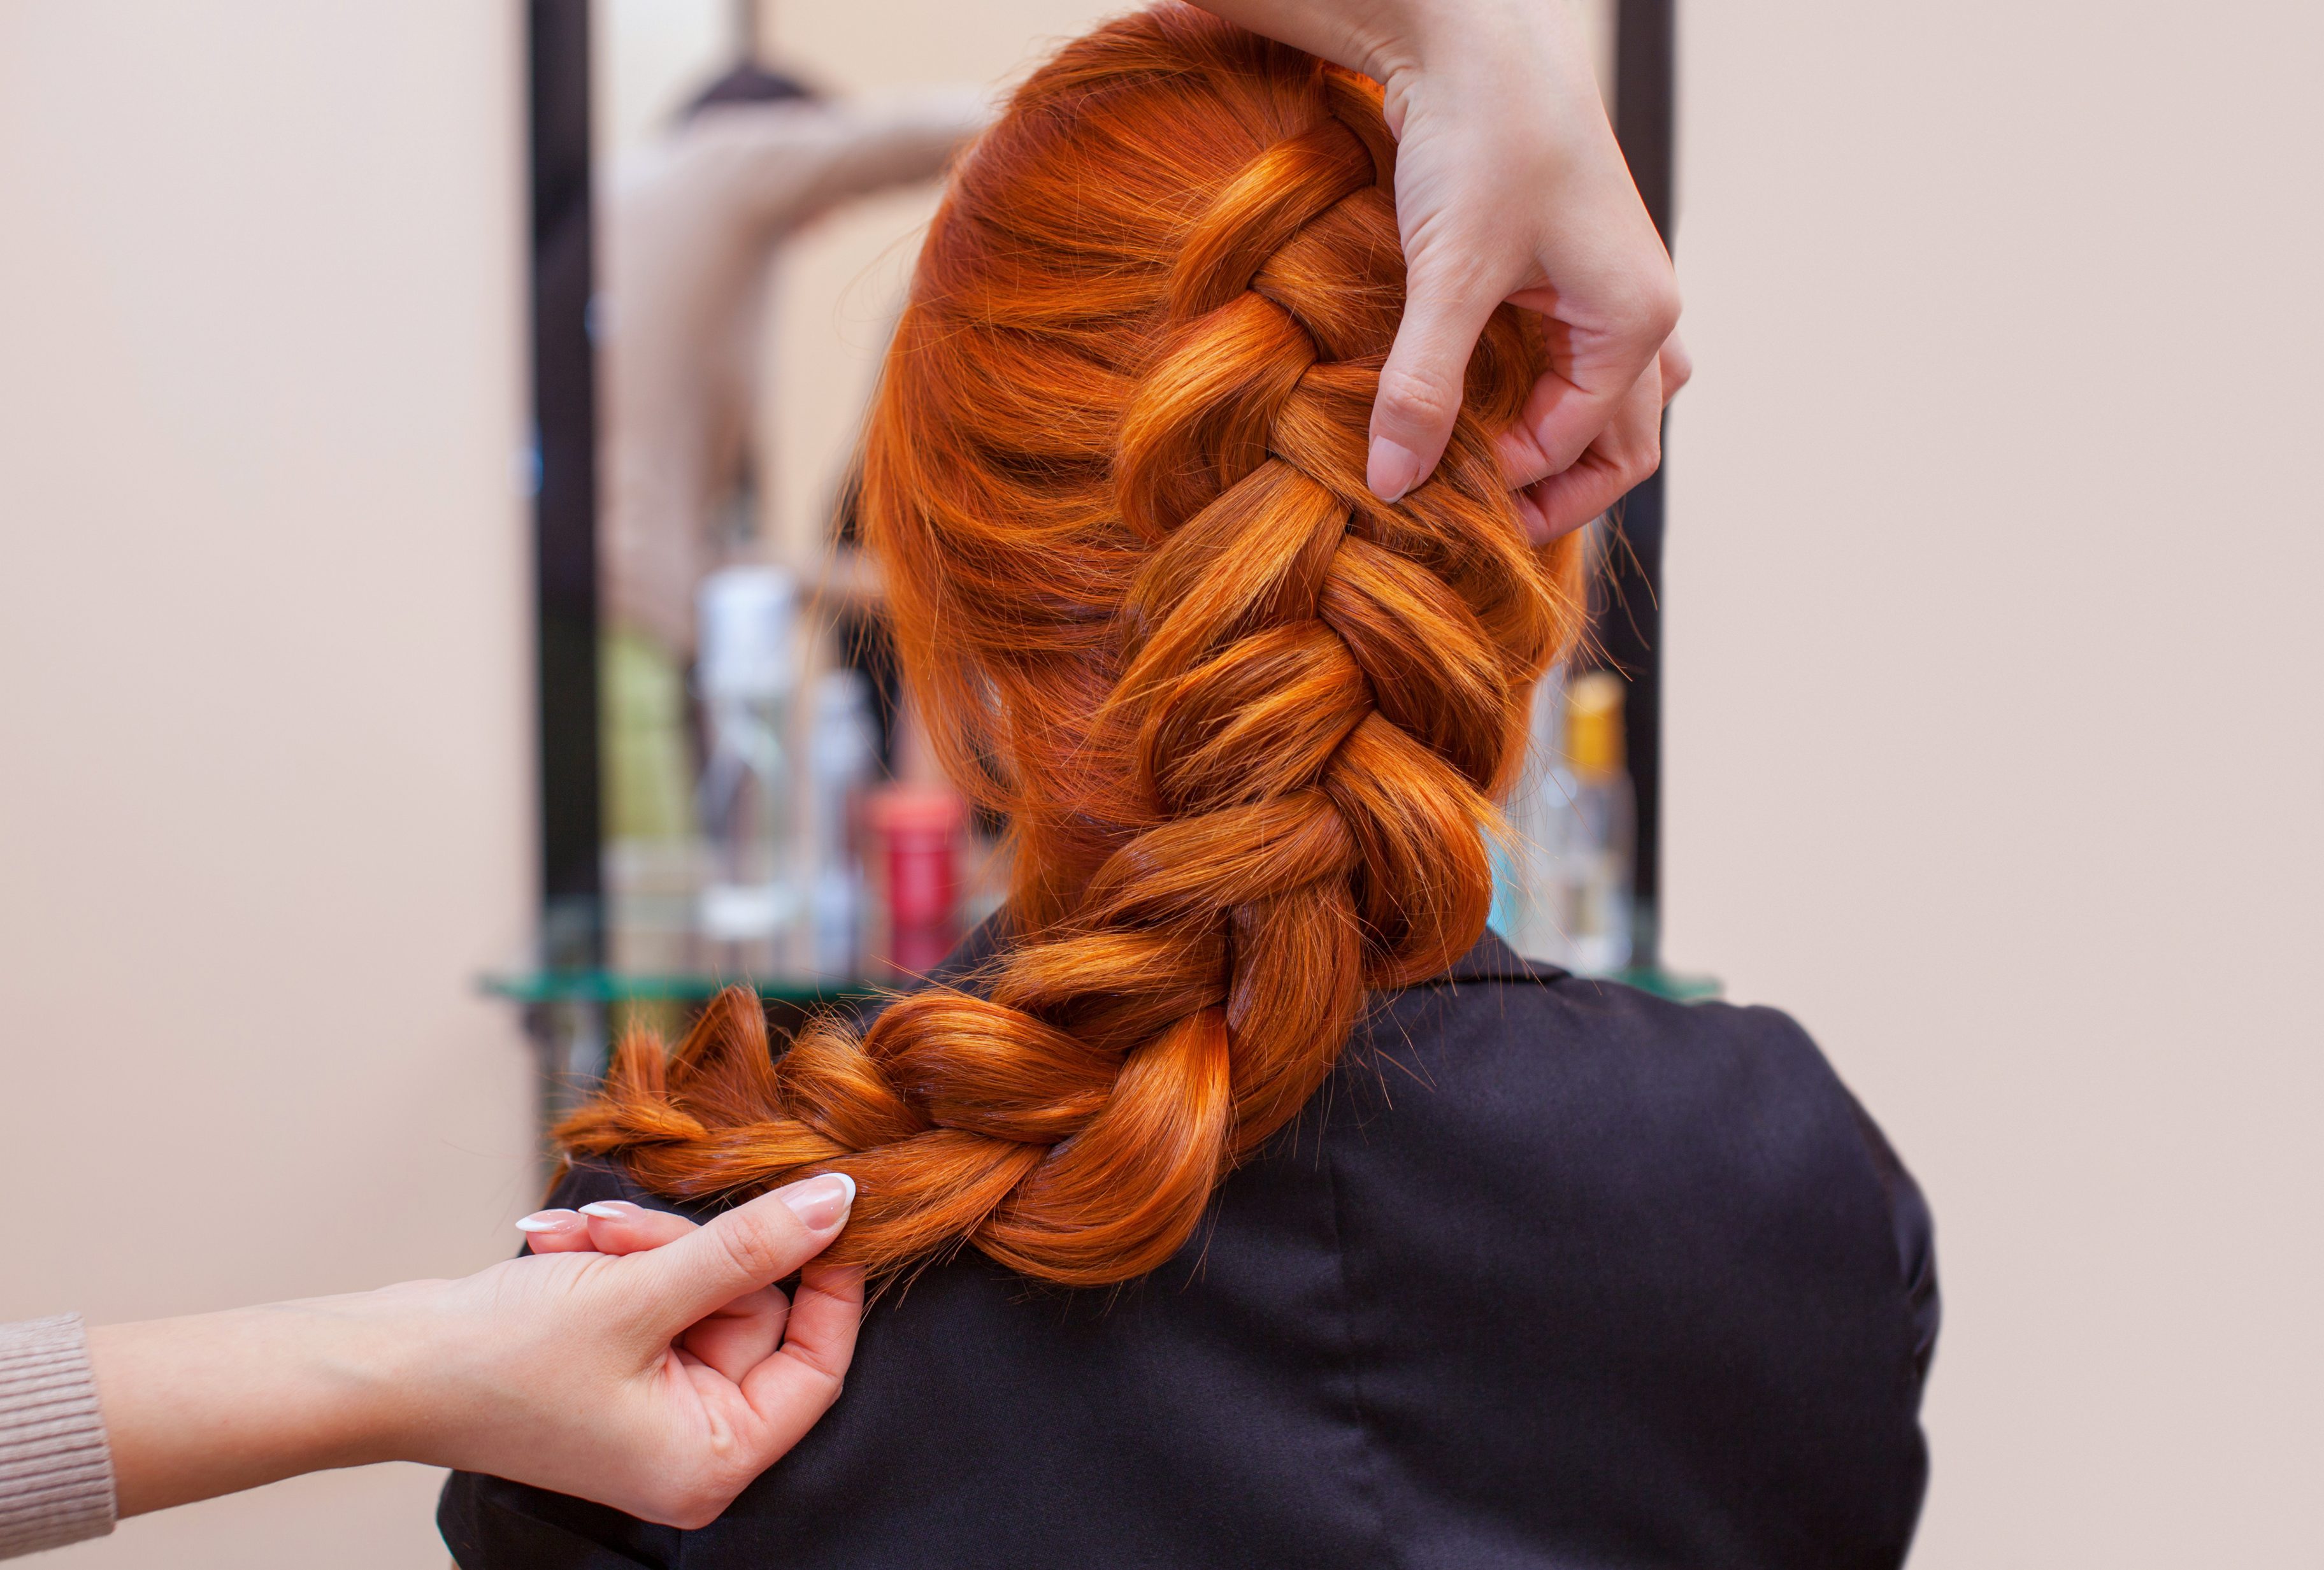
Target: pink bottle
[[917, 851]]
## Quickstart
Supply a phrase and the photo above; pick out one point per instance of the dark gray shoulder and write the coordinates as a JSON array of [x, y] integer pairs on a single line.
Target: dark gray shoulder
[[1661, 1221], [1763, 1059], [1729, 1106], [1744, 1082]]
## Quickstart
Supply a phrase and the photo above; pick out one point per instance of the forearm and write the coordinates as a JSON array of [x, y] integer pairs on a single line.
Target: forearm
[[216, 1402], [565, 1371], [897, 139], [1363, 35], [758, 174]]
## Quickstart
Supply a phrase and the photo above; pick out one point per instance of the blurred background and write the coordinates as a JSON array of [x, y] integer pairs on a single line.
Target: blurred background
[[1989, 737]]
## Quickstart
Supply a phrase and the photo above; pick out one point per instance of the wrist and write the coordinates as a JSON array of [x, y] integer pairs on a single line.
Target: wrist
[[398, 1360], [323, 1380], [1522, 66], [1402, 40], [1375, 37], [1388, 40], [214, 1403]]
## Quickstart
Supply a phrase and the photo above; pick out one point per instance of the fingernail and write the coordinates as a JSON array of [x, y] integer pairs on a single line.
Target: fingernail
[[1392, 469], [546, 1221], [610, 1209], [821, 1203]]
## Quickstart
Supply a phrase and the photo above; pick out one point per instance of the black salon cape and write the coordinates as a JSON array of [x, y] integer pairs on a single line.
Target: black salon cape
[[1551, 1273]]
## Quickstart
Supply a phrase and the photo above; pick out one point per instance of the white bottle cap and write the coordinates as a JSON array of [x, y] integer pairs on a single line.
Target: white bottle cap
[[746, 616]]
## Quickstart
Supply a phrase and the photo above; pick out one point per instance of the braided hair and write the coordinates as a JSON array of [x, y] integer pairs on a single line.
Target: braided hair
[[1246, 722]]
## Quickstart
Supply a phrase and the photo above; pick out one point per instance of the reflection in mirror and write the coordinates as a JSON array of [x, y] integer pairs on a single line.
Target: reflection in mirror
[[757, 179], [748, 714]]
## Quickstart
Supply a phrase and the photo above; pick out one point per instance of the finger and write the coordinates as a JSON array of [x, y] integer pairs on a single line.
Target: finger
[[737, 1338], [1427, 367], [792, 1389], [618, 1226], [1675, 366], [1523, 460], [556, 1232], [1560, 421], [1627, 451], [733, 1338], [751, 1246]]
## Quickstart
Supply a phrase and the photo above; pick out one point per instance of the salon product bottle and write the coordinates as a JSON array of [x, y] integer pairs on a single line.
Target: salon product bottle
[[916, 834], [1596, 856], [1527, 908], [841, 753], [745, 673]]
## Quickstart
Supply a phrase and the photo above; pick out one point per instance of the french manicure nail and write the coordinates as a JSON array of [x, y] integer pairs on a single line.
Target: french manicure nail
[[821, 1203], [546, 1221], [1391, 469], [609, 1209]]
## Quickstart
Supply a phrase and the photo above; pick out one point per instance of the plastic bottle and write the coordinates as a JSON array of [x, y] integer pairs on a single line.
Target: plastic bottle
[[1596, 857], [1527, 908], [917, 829], [841, 753], [746, 673]]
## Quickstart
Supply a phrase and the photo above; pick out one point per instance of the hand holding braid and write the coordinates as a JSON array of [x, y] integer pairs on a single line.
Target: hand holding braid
[[1247, 720]]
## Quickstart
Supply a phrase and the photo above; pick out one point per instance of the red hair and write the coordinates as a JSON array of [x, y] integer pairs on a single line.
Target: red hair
[[1246, 721]]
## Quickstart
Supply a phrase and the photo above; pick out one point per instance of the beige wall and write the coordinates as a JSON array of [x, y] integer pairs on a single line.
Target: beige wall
[[1997, 751], [265, 796]]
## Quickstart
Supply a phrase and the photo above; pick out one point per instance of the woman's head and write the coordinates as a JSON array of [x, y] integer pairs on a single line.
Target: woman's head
[[1246, 721]]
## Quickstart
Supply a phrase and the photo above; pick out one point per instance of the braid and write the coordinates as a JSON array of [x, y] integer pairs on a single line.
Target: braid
[[1247, 720]]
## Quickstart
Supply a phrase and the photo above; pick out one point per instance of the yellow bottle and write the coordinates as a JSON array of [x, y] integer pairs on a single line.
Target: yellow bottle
[[1592, 875], [1593, 724]]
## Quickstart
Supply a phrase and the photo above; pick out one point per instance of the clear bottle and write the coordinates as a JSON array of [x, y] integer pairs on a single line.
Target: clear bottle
[[1598, 852], [842, 753], [1527, 908], [746, 673]]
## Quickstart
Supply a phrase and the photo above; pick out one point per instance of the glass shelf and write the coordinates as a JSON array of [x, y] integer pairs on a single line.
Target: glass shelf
[[609, 986], [1677, 986]]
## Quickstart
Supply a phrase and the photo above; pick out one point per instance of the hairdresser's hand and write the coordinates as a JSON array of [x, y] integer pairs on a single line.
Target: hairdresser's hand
[[660, 1379], [1625, 452], [1509, 186], [576, 1371], [731, 1338]]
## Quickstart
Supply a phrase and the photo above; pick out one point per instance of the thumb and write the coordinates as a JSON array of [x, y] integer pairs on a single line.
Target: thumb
[[1426, 373], [749, 1248]]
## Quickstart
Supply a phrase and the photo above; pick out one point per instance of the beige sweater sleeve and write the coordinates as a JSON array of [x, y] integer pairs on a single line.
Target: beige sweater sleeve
[[55, 1473]]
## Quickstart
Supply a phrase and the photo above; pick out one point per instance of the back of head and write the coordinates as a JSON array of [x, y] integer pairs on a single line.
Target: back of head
[[1246, 721]]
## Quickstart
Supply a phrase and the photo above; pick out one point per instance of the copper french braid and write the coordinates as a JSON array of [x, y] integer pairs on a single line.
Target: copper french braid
[[1248, 721]]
